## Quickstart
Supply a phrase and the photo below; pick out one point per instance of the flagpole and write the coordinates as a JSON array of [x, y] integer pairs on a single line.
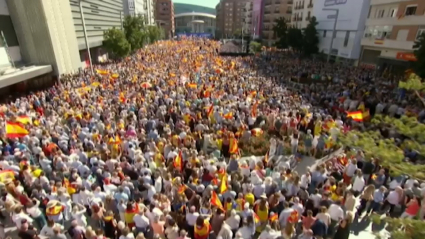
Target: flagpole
[[6, 47]]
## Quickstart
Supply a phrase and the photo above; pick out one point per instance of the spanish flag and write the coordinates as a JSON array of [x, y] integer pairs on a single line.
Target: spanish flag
[[122, 97], [115, 76], [274, 217], [69, 187], [293, 217], [234, 148], [256, 218], [216, 201], [24, 119], [181, 189], [257, 132], [6, 174], [102, 72], [223, 183], [358, 116], [15, 130], [228, 115], [192, 85], [178, 161]]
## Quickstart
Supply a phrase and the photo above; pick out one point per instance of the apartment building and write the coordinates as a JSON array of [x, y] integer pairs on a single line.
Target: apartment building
[[164, 16], [144, 8], [341, 27], [272, 10], [232, 17], [391, 29], [302, 11]]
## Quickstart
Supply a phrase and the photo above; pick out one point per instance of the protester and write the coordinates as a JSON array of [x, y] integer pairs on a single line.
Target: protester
[[151, 146]]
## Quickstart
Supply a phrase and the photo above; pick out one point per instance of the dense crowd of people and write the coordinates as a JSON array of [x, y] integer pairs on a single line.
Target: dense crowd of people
[[148, 147]]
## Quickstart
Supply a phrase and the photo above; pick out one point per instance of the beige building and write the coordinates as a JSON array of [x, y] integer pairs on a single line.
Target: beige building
[[232, 17], [274, 9], [302, 11], [391, 30]]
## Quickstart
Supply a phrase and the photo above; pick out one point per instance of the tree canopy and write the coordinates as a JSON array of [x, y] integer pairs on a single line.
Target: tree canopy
[[115, 42], [135, 35], [280, 28], [295, 39], [419, 65], [254, 47], [311, 38]]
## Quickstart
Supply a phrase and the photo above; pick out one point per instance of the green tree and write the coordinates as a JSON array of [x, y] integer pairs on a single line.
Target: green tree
[[237, 33], [311, 38], [295, 38], [419, 65], [280, 29], [415, 83], [254, 47], [154, 33], [402, 228], [134, 31], [116, 43]]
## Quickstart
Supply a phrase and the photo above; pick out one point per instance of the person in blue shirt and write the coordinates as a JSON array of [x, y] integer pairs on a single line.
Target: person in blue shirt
[[378, 200]]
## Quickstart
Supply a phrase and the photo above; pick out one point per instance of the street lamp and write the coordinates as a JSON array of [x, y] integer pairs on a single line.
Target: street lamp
[[333, 30]]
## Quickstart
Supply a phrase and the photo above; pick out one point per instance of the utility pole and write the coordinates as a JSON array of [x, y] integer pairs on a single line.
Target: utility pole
[[333, 30], [85, 36]]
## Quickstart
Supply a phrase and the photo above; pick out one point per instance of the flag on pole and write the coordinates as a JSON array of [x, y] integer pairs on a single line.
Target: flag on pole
[[210, 111], [216, 201], [223, 184], [24, 119], [15, 130]]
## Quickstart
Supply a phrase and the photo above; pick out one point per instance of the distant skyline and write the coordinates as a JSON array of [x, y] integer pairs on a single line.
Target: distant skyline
[[202, 3]]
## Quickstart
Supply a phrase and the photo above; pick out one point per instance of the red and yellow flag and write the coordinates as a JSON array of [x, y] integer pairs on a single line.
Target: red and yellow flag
[[23, 119], [358, 116], [223, 183], [181, 189], [256, 218], [229, 115], [254, 109], [178, 161], [15, 130], [274, 217], [234, 148], [192, 85], [266, 157], [216, 201], [6, 174]]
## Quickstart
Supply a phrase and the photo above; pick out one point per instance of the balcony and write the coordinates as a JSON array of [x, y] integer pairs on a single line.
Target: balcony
[[267, 12], [267, 3], [290, 2], [307, 18], [289, 11], [277, 2], [294, 19], [386, 43], [276, 11], [396, 21], [267, 20], [310, 5]]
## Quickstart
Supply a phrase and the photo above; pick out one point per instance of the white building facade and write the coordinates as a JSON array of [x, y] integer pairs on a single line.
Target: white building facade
[[348, 18], [302, 11], [140, 7]]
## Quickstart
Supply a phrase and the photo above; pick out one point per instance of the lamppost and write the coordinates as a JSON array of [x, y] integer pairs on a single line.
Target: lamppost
[[333, 30], [85, 36]]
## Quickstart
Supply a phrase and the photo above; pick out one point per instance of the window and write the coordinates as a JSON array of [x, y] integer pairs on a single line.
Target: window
[[347, 36], [324, 33], [411, 10], [380, 13], [421, 31], [392, 12]]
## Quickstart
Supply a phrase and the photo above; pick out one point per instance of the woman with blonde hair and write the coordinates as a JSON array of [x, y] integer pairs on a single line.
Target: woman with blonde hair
[[343, 230], [365, 198], [289, 231]]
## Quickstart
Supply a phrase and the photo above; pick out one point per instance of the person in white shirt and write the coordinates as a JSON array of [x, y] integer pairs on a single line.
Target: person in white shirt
[[359, 183], [141, 222], [393, 199], [225, 232], [77, 214], [233, 221], [172, 230], [47, 230], [19, 216], [34, 211], [336, 212], [191, 216], [298, 206]]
